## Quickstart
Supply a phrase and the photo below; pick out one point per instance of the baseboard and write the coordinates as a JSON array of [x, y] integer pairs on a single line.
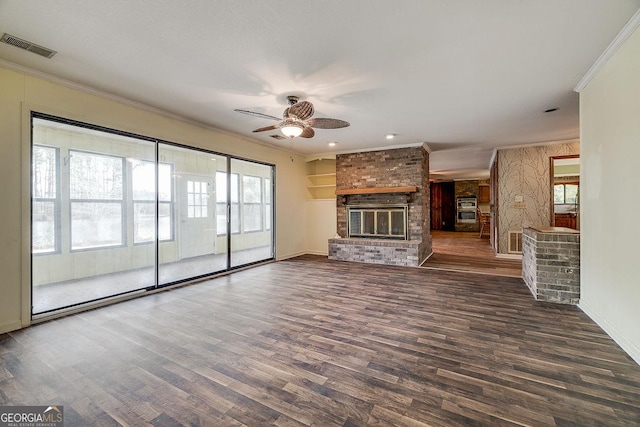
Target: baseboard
[[11, 326], [283, 257], [322, 253], [630, 348]]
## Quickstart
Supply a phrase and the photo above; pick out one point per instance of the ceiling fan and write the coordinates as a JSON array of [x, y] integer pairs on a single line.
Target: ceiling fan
[[296, 120]]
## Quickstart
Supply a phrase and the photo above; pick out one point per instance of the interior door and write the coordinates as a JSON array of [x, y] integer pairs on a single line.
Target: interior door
[[197, 216]]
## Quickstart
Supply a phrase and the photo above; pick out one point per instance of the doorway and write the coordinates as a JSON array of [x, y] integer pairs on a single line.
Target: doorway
[[565, 191], [197, 217], [443, 206]]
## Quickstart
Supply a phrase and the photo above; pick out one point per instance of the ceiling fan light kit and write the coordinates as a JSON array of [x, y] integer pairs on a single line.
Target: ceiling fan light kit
[[291, 130], [296, 120]]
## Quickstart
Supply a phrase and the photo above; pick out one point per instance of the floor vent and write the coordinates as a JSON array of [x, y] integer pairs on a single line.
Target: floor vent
[[515, 242], [26, 45]]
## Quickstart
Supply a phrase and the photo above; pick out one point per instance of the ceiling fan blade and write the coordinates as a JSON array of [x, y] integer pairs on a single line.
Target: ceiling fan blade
[[302, 110], [272, 127], [253, 113], [327, 123], [307, 132]]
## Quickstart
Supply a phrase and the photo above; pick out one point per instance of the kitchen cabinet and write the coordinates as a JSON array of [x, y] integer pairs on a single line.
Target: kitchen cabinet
[[484, 193], [565, 220]]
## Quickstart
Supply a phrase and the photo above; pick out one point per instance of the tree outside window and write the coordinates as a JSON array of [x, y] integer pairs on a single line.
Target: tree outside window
[[45, 202]]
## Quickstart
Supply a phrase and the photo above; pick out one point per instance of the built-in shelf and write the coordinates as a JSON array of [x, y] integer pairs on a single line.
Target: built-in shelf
[[321, 177]]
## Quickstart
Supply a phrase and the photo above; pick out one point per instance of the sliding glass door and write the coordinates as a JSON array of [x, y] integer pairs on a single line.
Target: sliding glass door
[[251, 231], [115, 213], [195, 250], [93, 215]]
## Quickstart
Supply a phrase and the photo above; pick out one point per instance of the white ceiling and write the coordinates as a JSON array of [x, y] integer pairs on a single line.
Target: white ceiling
[[463, 76]]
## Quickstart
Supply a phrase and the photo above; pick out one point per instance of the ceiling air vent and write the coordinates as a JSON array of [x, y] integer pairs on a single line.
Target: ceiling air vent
[[31, 47], [277, 136]]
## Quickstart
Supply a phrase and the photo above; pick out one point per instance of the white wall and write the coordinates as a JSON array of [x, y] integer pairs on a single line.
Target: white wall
[[610, 175], [322, 225], [20, 93]]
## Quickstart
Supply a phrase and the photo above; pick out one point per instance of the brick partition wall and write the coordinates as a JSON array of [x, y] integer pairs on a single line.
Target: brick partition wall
[[386, 168], [551, 263]]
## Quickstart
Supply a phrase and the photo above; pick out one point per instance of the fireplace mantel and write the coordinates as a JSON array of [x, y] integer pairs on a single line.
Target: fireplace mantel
[[377, 190]]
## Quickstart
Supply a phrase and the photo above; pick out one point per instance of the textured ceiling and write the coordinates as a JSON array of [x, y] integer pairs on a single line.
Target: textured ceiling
[[463, 76]]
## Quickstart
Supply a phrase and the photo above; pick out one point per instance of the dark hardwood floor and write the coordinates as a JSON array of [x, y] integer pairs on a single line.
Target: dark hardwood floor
[[309, 341], [466, 251]]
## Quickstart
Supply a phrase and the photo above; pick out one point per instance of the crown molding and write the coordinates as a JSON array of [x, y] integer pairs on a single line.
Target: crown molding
[[631, 26], [135, 104], [364, 150], [539, 144]]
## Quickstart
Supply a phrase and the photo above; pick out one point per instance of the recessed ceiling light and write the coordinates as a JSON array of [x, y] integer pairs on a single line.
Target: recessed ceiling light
[[550, 110], [390, 135], [332, 144]]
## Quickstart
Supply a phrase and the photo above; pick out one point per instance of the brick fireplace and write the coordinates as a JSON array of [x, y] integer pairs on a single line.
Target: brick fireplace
[[385, 180]]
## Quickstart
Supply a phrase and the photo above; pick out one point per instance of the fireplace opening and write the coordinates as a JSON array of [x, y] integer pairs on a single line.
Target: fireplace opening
[[381, 222]]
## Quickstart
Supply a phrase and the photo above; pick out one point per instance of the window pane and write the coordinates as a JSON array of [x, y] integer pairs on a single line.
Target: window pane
[[43, 227], [571, 193], [44, 172], [235, 218], [267, 217], [197, 199], [164, 221], [95, 224], [251, 191], [144, 222], [95, 176], [234, 188], [252, 217], [558, 194], [165, 193], [221, 187], [144, 180], [221, 218], [267, 190]]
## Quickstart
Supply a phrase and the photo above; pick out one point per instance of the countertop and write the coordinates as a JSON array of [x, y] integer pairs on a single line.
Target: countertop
[[554, 230]]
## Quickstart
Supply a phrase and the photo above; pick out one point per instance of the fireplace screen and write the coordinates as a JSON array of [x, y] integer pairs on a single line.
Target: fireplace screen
[[380, 222]]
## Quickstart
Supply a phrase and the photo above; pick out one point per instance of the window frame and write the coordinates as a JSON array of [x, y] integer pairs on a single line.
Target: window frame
[[564, 192], [268, 213], [170, 203], [57, 214], [259, 205], [237, 206], [122, 202]]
